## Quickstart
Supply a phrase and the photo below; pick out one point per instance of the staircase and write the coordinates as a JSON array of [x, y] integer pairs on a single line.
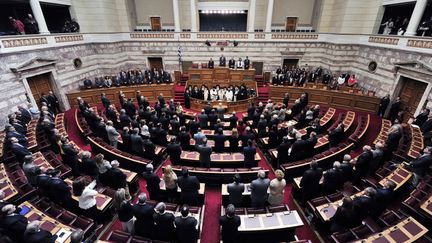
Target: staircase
[[263, 93], [260, 80], [179, 94]]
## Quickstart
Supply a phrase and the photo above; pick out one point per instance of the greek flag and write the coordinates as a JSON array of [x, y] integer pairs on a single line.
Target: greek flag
[[180, 53]]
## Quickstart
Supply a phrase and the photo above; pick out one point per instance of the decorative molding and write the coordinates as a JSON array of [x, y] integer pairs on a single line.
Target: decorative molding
[[259, 36], [185, 35], [33, 63], [384, 40], [222, 36], [295, 36], [68, 38], [419, 43], [10, 43], [152, 36]]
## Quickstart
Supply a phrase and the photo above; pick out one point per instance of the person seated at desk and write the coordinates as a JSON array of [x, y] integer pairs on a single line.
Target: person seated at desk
[[211, 63], [229, 223], [310, 181], [249, 153], [231, 63], [164, 223], [185, 224], [258, 188], [219, 141], [235, 191], [153, 181], [189, 186], [344, 217], [364, 204], [12, 222], [34, 233], [332, 179], [144, 224]]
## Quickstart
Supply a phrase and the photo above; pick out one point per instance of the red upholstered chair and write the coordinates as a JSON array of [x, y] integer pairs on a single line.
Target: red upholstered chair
[[361, 231], [389, 218], [67, 218], [341, 237], [83, 223], [119, 236], [55, 211], [275, 209]]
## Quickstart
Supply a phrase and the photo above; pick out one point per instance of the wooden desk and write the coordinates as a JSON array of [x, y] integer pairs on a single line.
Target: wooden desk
[[408, 230], [201, 190], [382, 136], [417, 143], [103, 202], [6, 185], [427, 206], [60, 124], [325, 97], [231, 106], [399, 176], [31, 135], [92, 96], [218, 159], [48, 223], [222, 76]]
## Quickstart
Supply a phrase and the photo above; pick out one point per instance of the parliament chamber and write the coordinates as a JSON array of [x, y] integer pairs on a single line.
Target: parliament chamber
[[215, 121]]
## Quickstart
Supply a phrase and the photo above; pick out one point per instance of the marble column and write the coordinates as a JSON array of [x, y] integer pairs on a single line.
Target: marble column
[[176, 16], [269, 16], [193, 13], [251, 16], [38, 15], [416, 16]]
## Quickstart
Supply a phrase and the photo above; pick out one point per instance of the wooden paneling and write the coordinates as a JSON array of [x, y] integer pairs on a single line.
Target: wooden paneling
[[291, 23], [92, 96], [331, 98], [155, 23], [221, 76], [39, 84], [236, 106], [411, 93]]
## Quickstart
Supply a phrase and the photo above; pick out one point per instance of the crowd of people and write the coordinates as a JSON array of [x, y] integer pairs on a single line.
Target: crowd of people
[[232, 63], [217, 93], [296, 76], [130, 77], [31, 27]]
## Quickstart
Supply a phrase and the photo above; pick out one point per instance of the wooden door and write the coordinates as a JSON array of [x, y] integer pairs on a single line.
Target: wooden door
[[155, 62], [291, 23], [411, 93], [155, 23], [258, 66], [38, 85]]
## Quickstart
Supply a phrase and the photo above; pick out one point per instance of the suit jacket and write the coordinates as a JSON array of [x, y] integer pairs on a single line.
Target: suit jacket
[[184, 139], [185, 229], [258, 189], [310, 180], [105, 101], [362, 164], [59, 190], [332, 180], [89, 167], [347, 171], [152, 184], [282, 150], [420, 119], [204, 155], [150, 149], [222, 61], [203, 119], [111, 115], [229, 228], [164, 226], [235, 193], [363, 206], [298, 149], [377, 159], [249, 156], [117, 178], [42, 236], [126, 137], [421, 164], [383, 198], [174, 151], [14, 224], [112, 133], [219, 143], [189, 188], [19, 151], [342, 219], [137, 144], [144, 224], [25, 115]]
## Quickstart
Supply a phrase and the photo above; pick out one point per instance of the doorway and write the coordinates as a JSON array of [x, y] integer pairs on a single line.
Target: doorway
[[290, 63], [291, 23], [40, 84], [155, 62], [155, 23], [411, 93]]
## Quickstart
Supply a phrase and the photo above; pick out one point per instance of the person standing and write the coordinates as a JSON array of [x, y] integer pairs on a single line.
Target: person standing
[[164, 222], [235, 191], [277, 189], [17, 25], [31, 25], [222, 61], [189, 186], [258, 188], [53, 102], [187, 96], [229, 223], [385, 101], [394, 109], [143, 212], [186, 231], [249, 153], [113, 135]]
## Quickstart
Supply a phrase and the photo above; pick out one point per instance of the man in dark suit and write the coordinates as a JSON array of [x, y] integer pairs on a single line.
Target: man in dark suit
[[219, 141], [346, 168], [26, 115], [126, 138], [11, 132], [161, 99], [222, 61], [19, 127], [231, 63], [258, 188], [385, 101], [88, 166], [229, 223], [118, 179], [105, 101], [18, 150], [203, 119], [422, 117], [204, 154], [70, 155], [383, 198], [184, 138], [34, 233], [211, 63], [185, 224], [362, 164], [12, 222], [59, 191], [364, 204], [112, 115], [311, 142], [298, 149], [310, 181], [249, 153], [282, 149], [189, 186], [164, 223], [427, 125], [149, 149], [124, 119], [394, 109], [235, 191], [137, 143], [377, 158], [332, 179], [53, 100], [153, 181], [44, 100], [144, 224], [421, 165], [246, 63], [174, 151], [336, 136], [233, 120]]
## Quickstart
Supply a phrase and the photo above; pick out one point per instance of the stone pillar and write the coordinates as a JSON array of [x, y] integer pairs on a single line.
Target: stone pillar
[[193, 13], [251, 16], [176, 16], [416, 16], [269, 16], [38, 15]]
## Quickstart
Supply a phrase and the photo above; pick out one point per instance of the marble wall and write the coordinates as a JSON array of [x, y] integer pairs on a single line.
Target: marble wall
[[108, 58]]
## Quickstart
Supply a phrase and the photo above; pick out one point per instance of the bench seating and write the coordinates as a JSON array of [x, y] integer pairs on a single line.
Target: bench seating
[[362, 127], [382, 136]]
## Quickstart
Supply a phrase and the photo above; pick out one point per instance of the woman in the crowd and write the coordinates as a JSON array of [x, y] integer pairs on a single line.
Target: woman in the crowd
[[103, 167], [234, 141], [277, 189], [170, 180], [86, 196]]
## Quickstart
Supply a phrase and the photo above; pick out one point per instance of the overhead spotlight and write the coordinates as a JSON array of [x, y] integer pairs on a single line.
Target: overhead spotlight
[[208, 43], [235, 43]]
